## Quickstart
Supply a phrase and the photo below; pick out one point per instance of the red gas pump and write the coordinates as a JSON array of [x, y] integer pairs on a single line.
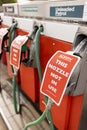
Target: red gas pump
[[28, 72], [70, 72], [19, 48], [49, 47], [3, 38], [17, 32]]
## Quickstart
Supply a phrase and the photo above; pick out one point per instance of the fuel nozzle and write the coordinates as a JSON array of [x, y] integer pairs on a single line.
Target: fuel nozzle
[[31, 36], [30, 60], [80, 51]]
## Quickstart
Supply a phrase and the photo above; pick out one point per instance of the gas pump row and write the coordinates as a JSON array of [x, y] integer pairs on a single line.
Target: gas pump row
[[51, 71]]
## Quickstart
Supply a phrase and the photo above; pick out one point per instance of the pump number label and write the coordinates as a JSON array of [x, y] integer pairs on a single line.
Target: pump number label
[[3, 32], [57, 74], [15, 54]]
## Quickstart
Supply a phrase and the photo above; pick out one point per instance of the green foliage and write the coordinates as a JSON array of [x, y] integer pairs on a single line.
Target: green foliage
[[7, 1], [0, 2]]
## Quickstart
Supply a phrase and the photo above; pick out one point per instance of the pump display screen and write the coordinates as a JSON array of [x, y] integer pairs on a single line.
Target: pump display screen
[[57, 74]]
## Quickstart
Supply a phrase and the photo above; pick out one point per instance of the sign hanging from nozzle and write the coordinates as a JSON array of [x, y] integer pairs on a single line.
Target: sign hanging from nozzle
[[57, 74]]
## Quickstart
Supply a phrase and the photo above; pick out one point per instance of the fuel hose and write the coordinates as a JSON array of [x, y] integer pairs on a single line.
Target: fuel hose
[[16, 95], [46, 111]]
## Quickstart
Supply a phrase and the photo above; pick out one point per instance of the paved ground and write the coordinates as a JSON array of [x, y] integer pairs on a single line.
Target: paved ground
[[28, 114], [2, 124]]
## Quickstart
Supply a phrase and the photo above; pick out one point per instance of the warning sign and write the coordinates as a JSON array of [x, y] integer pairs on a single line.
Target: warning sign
[[57, 74], [16, 50], [3, 32]]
